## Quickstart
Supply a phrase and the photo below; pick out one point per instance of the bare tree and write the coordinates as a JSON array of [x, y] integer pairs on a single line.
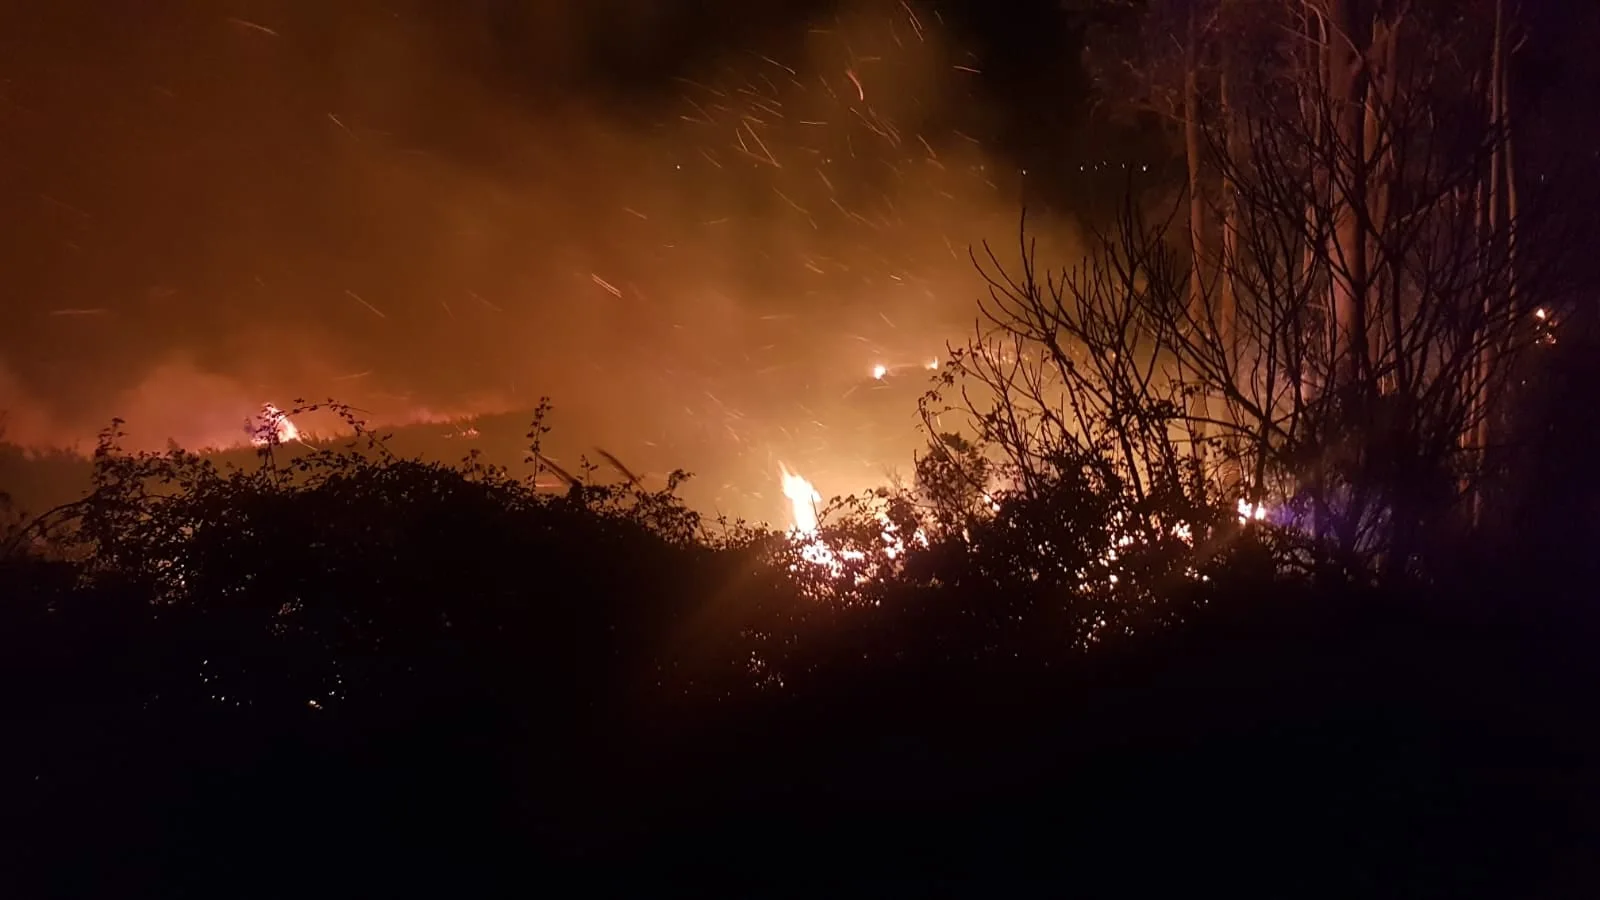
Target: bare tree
[[1066, 373], [1337, 345]]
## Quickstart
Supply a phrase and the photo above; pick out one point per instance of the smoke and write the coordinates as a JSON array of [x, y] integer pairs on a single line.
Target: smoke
[[691, 224]]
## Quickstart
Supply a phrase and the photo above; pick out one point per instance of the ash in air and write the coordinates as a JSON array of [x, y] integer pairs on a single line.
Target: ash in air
[[434, 213]]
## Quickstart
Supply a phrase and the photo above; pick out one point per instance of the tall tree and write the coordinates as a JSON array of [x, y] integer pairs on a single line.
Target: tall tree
[[1335, 291]]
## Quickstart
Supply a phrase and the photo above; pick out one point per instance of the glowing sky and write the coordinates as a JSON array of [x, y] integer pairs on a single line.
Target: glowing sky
[[697, 226], [692, 225]]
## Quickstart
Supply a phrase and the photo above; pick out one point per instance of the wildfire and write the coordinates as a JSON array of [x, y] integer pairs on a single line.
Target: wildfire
[[803, 500], [838, 561], [1545, 325], [1251, 512], [272, 426]]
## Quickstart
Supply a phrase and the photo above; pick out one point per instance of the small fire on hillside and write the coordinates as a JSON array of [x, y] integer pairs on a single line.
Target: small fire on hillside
[[805, 532], [803, 501], [271, 426]]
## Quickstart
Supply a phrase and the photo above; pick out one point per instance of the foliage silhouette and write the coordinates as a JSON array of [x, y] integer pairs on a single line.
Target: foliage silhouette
[[342, 648]]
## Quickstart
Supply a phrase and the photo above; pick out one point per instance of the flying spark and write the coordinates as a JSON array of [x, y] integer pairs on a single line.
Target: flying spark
[[253, 26], [357, 298]]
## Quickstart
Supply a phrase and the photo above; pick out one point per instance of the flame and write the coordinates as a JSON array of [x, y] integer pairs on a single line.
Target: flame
[[1546, 326], [1249, 512], [803, 500], [880, 370], [282, 428]]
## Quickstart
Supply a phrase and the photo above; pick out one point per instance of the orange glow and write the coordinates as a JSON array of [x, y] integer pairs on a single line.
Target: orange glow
[[803, 501], [1249, 512], [699, 279], [273, 426]]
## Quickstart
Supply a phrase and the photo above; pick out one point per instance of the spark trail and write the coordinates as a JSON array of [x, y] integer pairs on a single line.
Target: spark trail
[[713, 273]]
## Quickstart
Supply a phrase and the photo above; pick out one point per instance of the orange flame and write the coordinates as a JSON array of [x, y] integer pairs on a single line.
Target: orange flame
[[803, 500], [273, 426]]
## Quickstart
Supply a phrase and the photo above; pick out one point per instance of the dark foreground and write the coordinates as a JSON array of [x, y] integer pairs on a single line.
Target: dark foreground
[[1375, 750]]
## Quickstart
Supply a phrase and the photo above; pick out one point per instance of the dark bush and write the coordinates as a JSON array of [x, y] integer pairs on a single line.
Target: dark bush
[[345, 672]]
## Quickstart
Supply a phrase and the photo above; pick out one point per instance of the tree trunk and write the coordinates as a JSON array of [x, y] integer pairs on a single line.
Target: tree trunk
[[1348, 273], [1230, 241], [1382, 88], [1198, 406], [1233, 476], [1481, 404], [1508, 147], [1313, 93]]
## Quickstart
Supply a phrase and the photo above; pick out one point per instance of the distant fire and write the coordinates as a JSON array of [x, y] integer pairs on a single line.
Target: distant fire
[[1250, 512], [803, 500], [272, 426]]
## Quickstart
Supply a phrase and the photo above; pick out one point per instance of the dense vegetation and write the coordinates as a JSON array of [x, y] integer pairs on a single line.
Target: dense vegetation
[[343, 671], [1262, 563]]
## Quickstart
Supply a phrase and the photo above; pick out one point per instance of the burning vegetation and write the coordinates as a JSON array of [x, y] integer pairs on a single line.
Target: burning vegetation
[[1262, 439], [1325, 335]]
